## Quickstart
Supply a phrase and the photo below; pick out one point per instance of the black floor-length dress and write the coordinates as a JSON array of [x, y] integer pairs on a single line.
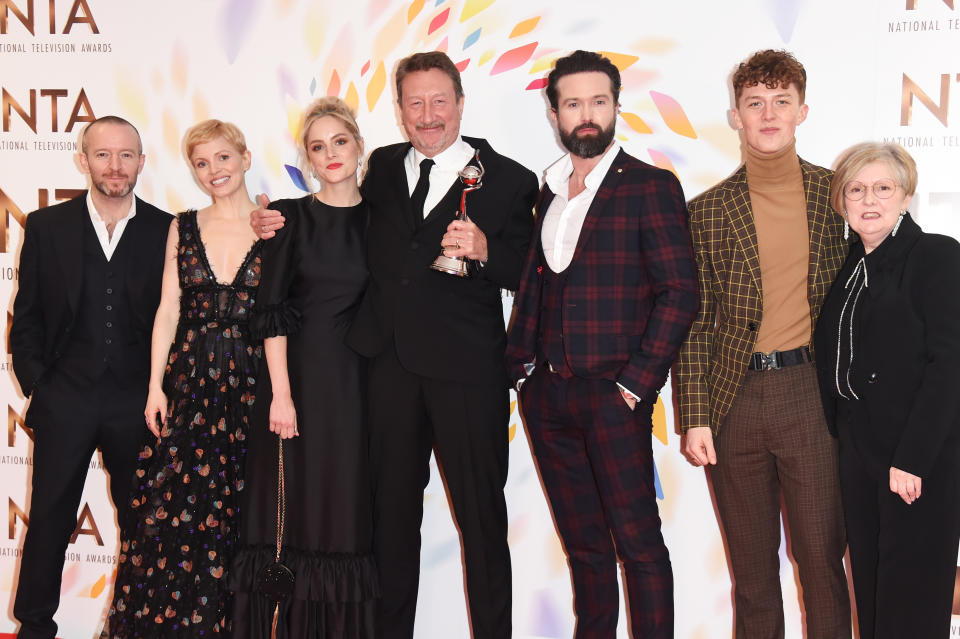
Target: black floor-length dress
[[176, 550], [314, 274]]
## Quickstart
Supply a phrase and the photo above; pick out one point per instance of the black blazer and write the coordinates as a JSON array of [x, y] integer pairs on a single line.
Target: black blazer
[[51, 272], [906, 366], [444, 327]]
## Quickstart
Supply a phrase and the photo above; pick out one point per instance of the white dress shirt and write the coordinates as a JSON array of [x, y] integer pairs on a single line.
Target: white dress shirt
[[449, 163], [564, 218], [107, 242]]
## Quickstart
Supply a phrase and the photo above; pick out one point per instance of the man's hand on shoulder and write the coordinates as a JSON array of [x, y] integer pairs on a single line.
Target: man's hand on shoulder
[[265, 222], [697, 446]]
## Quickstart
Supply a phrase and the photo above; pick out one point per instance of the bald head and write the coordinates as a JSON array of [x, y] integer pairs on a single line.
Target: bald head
[[108, 119]]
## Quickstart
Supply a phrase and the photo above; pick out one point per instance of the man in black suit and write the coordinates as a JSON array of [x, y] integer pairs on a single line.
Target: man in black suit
[[437, 375], [90, 272]]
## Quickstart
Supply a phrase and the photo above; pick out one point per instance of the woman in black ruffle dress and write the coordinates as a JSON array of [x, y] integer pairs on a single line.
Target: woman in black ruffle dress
[[314, 274], [177, 545]]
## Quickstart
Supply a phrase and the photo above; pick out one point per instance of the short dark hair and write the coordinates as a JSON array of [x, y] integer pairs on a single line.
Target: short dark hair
[[582, 62], [771, 68], [425, 62], [108, 119]]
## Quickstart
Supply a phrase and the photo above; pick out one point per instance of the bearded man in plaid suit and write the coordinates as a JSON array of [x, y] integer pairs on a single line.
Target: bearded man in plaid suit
[[607, 295], [768, 247]]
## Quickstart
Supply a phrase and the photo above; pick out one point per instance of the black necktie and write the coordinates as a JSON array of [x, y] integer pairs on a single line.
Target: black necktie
[[419, 196]]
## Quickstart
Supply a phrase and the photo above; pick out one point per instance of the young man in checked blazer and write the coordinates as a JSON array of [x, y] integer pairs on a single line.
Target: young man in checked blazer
[[768, 247], [607, 294]]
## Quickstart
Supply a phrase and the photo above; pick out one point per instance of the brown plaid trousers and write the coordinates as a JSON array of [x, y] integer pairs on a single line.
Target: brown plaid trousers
[[716, 353]]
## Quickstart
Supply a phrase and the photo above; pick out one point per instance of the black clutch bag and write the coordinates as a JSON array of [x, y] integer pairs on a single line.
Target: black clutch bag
[[276, 581]]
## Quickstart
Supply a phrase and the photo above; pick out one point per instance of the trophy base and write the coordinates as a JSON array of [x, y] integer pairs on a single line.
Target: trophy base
[[452, 265]]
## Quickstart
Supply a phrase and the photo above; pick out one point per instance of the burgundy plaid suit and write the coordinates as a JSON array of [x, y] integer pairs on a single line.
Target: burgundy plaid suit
[[628, 298]]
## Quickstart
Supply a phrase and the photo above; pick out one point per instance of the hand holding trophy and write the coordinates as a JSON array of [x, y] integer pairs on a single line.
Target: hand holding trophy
[[472, 178]]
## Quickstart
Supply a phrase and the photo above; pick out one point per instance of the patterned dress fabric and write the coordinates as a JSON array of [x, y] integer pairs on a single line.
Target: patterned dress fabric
[[177, 547]]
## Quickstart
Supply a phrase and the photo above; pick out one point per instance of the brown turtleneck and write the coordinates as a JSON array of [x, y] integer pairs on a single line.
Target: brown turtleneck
[[783, 244]]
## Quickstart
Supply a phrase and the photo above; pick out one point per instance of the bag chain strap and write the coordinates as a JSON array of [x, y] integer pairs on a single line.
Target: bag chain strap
[[281, 499], [281, 520]]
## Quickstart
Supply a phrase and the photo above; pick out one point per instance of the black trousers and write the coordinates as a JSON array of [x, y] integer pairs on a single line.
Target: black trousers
[[903, 556], [467, 427], [70, 422]]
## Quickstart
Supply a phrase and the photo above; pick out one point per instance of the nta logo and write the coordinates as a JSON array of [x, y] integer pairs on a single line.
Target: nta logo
[[911, 90], [79, 13], [81, 111]]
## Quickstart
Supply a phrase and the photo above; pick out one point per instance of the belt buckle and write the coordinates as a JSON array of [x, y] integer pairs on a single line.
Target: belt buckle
[[769, 361]]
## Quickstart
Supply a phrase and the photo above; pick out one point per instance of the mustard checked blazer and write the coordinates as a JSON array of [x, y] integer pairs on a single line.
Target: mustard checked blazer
[[716, 353]]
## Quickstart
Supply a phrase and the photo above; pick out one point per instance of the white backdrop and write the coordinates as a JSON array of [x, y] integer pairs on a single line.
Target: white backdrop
[[877, 69]]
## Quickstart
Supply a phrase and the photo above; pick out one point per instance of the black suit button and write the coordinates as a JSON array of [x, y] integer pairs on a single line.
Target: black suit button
[[109, 324], [752, 326], [108, 307], [404, 282], [109, 291], [108, 341], [873, 378], [414, 245], [109, 273]]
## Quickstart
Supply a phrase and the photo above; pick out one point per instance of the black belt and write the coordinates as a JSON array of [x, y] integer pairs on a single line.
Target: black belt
[[779, 359]]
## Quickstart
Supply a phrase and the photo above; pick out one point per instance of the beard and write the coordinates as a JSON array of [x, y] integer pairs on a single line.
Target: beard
[[587, 146], [117, 192], [420, 142]]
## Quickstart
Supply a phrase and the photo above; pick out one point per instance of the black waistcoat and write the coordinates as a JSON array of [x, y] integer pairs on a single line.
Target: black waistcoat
[[103, 334]]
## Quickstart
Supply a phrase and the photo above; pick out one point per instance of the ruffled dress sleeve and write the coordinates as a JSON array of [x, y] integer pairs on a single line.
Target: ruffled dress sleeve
[[275, 314]]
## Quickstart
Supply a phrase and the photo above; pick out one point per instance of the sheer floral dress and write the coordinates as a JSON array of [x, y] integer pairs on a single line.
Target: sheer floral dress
[[177, 548]]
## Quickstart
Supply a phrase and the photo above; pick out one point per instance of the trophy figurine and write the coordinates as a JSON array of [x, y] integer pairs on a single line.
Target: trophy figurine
[[472, 178]]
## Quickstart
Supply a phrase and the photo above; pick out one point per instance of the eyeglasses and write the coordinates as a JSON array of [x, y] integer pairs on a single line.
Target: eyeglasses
[[882, 188]]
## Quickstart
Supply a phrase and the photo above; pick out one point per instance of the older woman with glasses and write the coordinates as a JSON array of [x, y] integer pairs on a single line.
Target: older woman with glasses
[[888, 357]]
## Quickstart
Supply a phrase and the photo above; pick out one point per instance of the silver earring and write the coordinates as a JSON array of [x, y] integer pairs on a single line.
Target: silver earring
[[846, 227], [896, 226]]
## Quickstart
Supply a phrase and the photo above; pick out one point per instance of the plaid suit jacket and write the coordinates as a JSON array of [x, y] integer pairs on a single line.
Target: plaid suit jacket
[[631, 288], [717, 350]]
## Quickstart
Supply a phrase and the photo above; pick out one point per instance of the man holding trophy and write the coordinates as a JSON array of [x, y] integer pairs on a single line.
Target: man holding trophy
[[437, 378]]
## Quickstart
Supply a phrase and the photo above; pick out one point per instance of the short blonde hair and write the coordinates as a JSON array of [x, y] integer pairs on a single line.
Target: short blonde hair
[[210, 130], [858, 156]]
